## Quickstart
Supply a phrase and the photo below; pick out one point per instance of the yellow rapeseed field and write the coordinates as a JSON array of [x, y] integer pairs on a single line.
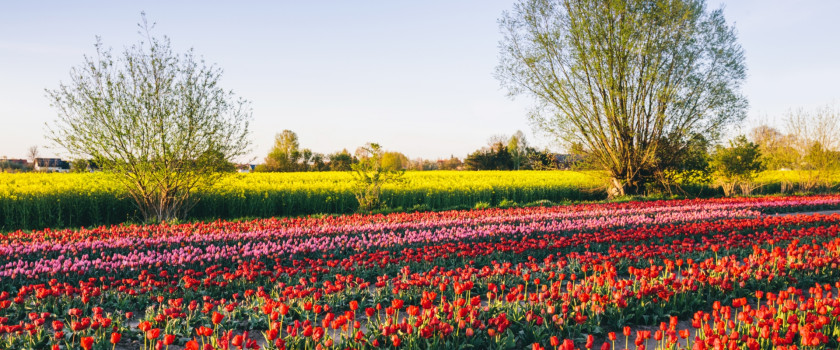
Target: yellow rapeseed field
[[36, 200]]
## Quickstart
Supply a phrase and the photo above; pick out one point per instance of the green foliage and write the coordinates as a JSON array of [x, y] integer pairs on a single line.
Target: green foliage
[[506, 203], [514, 154], [581, 159], [12, 167], [495, 157], [481, 205], [737, 164], [778, 151], [285, 155], [518, 148], [395, 161], [543, 160], [79, 166], [341, 161], [682, 162], [370, 174], [822, 164]]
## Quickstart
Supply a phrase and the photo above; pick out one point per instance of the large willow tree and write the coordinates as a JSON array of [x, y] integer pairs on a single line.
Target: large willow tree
[[158, 120], [622, 77]]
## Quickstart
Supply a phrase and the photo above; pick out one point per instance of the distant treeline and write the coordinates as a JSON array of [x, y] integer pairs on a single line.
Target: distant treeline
[[502, 153]]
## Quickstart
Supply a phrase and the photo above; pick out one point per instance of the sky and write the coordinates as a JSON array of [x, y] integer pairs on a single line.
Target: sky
[[414, 76]]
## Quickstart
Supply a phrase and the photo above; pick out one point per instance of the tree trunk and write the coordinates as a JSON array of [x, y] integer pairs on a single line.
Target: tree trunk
[[630, 185], [616, 189]]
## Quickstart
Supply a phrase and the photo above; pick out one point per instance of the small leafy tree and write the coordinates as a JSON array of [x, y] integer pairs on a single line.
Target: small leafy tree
[[341, 161], [79, 166], [318, 163], [495, 157], [286, 153], [395, 161], [823, 163], [736, 165], [453, 163], [817, 143], [542, 160], [778, 150], [157, 120], [370, 175], [518, 149]]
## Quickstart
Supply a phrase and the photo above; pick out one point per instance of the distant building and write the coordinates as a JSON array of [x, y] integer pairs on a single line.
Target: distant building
[[51, 165]]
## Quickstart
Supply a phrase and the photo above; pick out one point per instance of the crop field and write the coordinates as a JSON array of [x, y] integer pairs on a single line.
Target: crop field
[[694, 274], [32, 201], [35, 201]]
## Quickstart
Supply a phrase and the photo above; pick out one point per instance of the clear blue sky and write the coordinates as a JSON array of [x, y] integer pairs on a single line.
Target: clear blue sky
[[417, 77]]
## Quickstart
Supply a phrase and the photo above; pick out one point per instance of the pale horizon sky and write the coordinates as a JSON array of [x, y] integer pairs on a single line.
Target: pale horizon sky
[[416, 77]]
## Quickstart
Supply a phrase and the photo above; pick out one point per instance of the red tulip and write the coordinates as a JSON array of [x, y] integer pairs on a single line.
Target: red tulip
[[217, 318], [191, 345], [115, 337], [86, 343], [204, 331], [153, 333]]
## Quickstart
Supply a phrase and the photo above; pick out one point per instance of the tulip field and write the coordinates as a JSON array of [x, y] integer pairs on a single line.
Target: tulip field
[[676, 274]]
